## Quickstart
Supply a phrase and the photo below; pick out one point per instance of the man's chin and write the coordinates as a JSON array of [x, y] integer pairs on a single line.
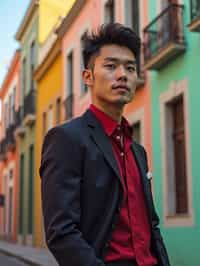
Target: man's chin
[[122, 102]]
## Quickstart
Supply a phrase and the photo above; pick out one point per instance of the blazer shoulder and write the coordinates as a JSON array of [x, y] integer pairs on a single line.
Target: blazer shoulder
[[71, 128], [139, 147]]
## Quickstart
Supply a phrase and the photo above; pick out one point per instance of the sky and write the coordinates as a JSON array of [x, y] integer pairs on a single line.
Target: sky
[[11, 15]]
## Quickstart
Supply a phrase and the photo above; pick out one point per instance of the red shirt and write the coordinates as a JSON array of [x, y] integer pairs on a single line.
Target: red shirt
[[131, 236]]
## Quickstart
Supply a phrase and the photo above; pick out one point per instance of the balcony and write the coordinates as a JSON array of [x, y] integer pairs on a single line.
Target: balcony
[[68, 104], [194, 15], [10, 139], [3, 150], [17, 117], [19, 129], [164, 38], [29, 108]]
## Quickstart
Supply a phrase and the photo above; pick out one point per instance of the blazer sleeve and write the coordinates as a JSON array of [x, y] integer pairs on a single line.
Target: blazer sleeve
[[61, 179]]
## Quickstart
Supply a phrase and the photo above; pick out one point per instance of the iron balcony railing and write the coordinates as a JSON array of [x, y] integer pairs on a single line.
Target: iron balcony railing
[[195, 9], [2, 147], [18, 117], [10, 138], [166, 28], [68, 104], [29, 103]]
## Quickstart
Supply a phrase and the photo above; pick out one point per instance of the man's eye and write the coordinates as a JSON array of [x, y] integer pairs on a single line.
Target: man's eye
[[110, 66], [131, 68]]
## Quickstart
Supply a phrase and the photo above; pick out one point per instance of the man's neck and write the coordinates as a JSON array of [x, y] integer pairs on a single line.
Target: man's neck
[[113, 111]]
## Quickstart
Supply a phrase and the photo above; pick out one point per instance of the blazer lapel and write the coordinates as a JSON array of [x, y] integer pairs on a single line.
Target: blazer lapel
[[102, 141], [141, 163]]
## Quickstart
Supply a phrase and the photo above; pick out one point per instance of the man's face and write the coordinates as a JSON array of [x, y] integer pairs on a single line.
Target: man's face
[[113, 78]]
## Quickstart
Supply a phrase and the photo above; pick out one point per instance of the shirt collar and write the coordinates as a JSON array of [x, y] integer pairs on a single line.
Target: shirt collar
[[110, 124]]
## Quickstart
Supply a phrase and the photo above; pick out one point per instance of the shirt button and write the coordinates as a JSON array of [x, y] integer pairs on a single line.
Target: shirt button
[[118, 137], [107, 245], [122, 154]]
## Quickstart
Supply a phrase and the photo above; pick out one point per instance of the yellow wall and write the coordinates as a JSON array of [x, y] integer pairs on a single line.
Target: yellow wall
[[48, 90], [49, 12]]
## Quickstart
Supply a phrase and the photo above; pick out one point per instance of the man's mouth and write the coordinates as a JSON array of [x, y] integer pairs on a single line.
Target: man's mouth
[[120, 87]]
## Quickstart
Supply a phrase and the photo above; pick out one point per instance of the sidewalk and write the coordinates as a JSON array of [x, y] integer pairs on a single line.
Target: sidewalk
[[30, 255]]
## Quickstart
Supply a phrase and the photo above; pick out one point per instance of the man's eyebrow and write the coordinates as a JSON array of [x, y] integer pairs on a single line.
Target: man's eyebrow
[[114, 59]]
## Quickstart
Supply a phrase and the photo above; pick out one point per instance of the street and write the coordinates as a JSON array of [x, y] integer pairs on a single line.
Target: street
[[10, 261]]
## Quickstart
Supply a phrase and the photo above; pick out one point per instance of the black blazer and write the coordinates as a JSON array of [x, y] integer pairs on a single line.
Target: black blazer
[[82, 193]]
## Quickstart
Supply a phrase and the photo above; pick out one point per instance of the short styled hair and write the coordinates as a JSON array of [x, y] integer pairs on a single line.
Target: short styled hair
[[111, 33]]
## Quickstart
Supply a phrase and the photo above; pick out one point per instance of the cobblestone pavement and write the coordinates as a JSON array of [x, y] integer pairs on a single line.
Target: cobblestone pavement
[[10, 261]]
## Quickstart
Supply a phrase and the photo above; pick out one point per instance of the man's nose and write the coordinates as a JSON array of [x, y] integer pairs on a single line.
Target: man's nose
[[121, 73]]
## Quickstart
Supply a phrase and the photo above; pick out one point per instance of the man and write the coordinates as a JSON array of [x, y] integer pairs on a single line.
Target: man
[[96, 197]]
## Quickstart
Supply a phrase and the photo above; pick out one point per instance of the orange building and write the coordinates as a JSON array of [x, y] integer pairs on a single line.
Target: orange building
[[87, 15], [9, 95]]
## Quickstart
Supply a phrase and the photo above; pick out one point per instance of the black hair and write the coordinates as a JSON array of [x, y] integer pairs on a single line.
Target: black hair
[[111, 33]]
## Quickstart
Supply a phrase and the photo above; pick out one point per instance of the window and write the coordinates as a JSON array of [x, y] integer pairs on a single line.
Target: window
[[30, 189], [44, 123], [69, 74], [32, 63], [84, 88], [5, 206], [178, 134], [69, 93], [58, 110], [23, 79], [132, 15], [109, 13], [176, 149], [176, 166], [13, 105], [6, 116], [10, 216], [21, 195], [10, 110], [50, 118], [133, 20]]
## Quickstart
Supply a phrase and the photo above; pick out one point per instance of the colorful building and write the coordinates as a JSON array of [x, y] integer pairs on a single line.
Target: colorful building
[[49, 79], [9, 95], [171, 54], [27, 36], [34, 30], [48, 76]]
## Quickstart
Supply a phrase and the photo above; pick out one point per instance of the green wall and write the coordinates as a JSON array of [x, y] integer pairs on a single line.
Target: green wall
[[25, 225], [182, 242]]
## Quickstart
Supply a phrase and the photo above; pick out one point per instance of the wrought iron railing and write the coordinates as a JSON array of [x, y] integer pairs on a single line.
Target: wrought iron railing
[[195, 9], [2, 147], [18, 117], [10, 138], [68, 104], [29, 103], [166, 28]]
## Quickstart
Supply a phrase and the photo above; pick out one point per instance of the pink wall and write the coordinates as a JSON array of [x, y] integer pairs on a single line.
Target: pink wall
[[11, 156]]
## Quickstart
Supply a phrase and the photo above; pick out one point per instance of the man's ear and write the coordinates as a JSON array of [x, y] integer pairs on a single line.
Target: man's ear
[[87, 76]]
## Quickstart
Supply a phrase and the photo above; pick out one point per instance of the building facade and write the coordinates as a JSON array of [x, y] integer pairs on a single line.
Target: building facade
[[48, 76], [171, 48], [27, 36], [9, 183]]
